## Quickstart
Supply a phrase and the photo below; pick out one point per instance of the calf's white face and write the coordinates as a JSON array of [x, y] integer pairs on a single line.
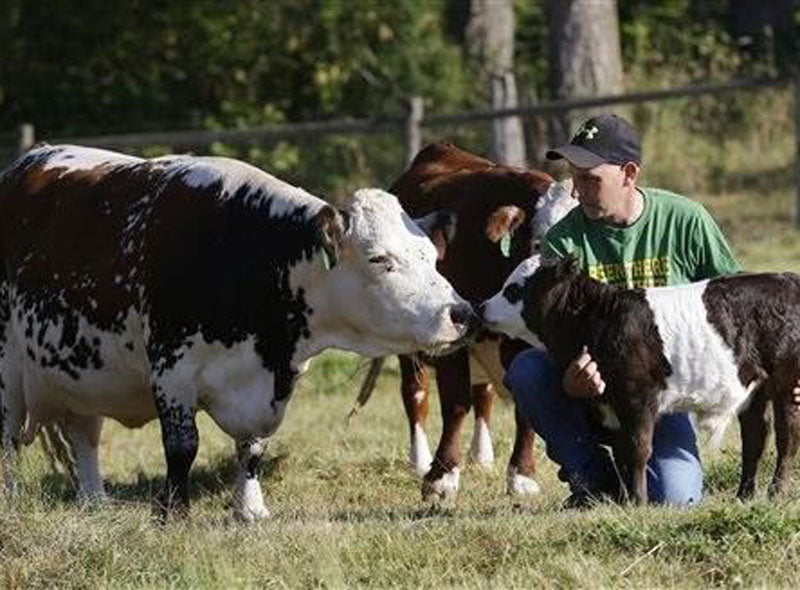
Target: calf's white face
[[386, 293], [503, 312]]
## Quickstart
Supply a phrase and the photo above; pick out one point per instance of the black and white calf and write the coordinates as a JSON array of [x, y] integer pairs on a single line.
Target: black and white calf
[[141, 289], [708, 347]]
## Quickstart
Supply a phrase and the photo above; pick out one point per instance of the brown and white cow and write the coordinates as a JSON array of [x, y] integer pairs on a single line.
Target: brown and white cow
[[501, 213], [140, 289]]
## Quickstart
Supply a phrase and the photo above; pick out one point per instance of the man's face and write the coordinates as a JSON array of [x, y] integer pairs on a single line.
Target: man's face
[[599, 190]]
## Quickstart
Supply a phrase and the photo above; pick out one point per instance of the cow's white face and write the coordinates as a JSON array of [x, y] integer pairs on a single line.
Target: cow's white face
[[550, 209], [385, 291], [503, 312]]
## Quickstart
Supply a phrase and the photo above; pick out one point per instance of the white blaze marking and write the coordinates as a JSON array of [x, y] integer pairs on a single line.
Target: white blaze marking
[[420, 453]]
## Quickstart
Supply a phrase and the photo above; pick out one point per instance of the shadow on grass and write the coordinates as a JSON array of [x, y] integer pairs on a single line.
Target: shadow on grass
[[204, 480]]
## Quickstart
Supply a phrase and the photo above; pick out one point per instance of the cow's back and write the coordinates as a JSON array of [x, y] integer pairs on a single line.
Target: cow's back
[[111, 262]]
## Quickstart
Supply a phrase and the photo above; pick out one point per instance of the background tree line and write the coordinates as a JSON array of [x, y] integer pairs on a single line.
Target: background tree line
[[103, 66]]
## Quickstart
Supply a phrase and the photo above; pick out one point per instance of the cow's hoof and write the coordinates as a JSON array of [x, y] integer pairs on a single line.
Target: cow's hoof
[[520, 485], [248, 503], [93, 499], [444, 489], [251, 514]]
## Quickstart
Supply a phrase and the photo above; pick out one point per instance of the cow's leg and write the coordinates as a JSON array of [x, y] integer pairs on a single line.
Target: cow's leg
[[12, 419], [12, 415], [753, 429], [787, 424], [452, 378], [248, 501], [414, 389], [522, 465], [84, 438], [175, 405], [481, 451]]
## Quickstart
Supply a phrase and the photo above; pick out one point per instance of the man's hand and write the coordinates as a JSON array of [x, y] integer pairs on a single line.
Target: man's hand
[[582, 379]]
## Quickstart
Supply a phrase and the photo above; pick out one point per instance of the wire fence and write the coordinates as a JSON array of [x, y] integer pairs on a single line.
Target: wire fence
[[412, 124]]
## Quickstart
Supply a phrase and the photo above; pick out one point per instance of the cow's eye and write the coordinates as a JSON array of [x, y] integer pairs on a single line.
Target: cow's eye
[[382, 260]]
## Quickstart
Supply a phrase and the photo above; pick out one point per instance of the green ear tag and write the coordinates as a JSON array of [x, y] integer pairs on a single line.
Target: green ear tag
[[326, 259], [505, 244]]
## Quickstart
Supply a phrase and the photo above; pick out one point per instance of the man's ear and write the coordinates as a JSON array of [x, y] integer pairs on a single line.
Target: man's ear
[[631, 172], [440, 227], [331, 227]]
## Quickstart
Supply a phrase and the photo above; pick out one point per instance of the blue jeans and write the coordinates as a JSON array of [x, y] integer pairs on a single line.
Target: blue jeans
[[674, 473]]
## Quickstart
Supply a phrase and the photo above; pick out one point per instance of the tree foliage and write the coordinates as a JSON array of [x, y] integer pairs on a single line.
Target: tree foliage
[[116, 65]]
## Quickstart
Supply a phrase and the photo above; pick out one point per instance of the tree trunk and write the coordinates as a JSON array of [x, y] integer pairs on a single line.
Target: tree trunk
[[585, 55], [490, 39]]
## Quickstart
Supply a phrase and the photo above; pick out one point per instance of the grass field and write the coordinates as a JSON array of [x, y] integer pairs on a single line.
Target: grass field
[[347, 510]]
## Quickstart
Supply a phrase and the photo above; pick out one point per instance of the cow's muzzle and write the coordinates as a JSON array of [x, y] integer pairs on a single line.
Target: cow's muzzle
[[465, 319]]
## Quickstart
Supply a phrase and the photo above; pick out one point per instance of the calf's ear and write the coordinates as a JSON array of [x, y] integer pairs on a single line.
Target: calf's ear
[[440, 227], [568, 265], [331, 225]]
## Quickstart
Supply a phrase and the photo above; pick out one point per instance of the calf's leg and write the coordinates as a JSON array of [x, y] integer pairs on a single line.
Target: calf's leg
[[638, 422], [753, 430], [787, 423]]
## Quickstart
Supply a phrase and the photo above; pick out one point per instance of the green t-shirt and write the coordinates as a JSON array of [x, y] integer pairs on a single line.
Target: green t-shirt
[[674, 241]]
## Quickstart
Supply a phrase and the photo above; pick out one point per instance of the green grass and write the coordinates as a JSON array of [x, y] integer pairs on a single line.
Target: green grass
[[347, 512], [346, 506]]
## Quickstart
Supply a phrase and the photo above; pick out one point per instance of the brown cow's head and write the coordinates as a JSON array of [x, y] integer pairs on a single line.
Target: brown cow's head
[[495, 206]]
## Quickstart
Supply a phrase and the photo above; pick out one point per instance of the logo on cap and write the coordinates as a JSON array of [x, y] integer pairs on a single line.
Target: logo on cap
[[587, 132]]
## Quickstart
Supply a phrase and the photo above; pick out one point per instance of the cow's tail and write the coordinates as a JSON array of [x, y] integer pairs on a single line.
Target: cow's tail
[[368, 386]]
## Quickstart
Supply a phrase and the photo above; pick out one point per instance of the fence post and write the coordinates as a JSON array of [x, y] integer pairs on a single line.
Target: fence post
[[26, 137], [413, 128]]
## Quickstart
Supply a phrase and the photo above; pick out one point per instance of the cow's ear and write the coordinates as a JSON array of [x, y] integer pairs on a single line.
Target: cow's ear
[[440, 227], [331, 226], [501, 225]]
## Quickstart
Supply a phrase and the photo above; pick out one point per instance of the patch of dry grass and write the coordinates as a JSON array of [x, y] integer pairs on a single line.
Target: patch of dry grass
[[347, 512]]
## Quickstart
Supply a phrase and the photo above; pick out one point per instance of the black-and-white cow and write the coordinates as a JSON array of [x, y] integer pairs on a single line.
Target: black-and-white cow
[[706, 347], [140, 289]]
